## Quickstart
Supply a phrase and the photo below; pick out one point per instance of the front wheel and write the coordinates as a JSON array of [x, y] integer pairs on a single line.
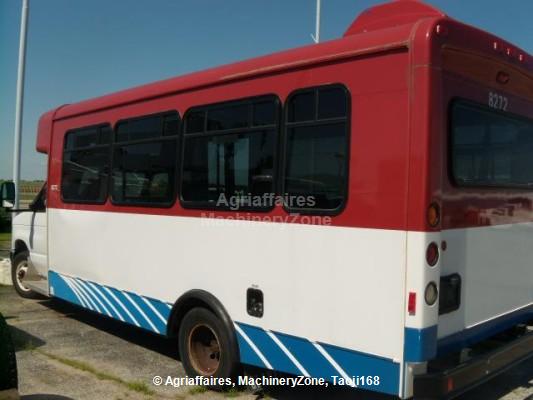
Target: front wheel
[[205, 346], [19, 269]]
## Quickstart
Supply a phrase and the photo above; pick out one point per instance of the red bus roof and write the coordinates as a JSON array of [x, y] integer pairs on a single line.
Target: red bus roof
[[380, 28], [376, 29]]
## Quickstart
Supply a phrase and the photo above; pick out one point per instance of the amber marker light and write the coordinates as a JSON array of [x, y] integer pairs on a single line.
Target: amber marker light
[[433, 215]]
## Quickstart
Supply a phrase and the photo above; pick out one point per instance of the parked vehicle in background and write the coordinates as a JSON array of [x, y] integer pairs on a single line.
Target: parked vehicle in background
[[8, 364], [403, 157]]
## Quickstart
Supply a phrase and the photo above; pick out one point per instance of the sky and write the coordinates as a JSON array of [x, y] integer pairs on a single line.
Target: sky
[[78, 49]]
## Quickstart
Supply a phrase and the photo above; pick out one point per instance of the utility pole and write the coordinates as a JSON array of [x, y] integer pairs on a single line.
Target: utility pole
[[20, 100], [316, 36]]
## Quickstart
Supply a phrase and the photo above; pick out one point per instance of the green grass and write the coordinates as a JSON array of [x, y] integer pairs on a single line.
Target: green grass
[[197, 390], [136, 386], [232, 393], [5, 236]]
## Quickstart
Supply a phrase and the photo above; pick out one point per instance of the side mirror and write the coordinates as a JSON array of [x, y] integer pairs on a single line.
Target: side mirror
[[7, 194]]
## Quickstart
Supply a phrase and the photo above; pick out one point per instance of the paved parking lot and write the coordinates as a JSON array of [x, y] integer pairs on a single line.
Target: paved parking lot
[[64, 352]]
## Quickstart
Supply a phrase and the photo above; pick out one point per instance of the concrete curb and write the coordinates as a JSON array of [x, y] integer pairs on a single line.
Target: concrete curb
[[5, 272]]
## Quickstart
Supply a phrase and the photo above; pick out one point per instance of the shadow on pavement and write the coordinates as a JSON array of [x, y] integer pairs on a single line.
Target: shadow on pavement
[[519, 376], [124, 331], [22, 340]]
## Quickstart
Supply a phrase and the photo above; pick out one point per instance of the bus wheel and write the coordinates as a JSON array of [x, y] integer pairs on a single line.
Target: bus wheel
[[205, 349], [19, 268]]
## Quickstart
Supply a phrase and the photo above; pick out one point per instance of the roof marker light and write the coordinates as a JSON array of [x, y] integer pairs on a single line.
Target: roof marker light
[[441, 30]]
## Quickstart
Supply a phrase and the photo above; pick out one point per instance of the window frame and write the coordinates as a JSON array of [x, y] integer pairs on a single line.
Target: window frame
[[277, 127], [316, 122], [162, 138], [450, 139], [98, 146]]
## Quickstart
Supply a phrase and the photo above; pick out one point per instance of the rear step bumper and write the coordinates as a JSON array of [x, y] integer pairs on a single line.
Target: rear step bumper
[[454, 381]]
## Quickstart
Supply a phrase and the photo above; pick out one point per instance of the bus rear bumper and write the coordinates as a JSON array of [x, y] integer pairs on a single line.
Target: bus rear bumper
[[454, 381]]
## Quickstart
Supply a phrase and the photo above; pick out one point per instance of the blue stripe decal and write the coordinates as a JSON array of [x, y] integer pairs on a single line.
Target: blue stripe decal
[[60, 286], [247, 354], [329, 362], [359, 364], [420, 344], [265, 349], [276, 356], [467, 337], [129, 307], [309, 356]]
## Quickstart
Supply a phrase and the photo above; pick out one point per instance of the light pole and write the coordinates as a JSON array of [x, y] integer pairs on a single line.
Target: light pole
[[316, 36], [20, 100]]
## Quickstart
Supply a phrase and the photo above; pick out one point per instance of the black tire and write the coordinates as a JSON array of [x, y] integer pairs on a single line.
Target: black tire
[[201, 325], [8, 361], [21, 257]]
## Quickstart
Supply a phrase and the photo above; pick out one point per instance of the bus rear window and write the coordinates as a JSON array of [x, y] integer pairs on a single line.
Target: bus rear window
[[490, 148]]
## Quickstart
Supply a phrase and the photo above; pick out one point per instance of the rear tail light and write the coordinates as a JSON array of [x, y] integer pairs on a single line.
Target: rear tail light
[[432, 254], [431, 293], [411, 304]]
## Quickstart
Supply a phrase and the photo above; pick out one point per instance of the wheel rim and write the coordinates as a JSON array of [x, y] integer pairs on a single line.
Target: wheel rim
[[204, 350], [20, 273]]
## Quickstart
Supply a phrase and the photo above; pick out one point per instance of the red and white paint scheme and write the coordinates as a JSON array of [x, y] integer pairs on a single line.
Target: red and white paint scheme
[[351, 292]]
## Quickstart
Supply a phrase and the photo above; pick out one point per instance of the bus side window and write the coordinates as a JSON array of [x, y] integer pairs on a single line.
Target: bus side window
[[86, 165], [145, 160], [316, 158], [229, 155]]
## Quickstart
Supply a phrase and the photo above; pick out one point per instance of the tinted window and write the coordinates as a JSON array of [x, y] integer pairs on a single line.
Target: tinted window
[[139, 129], [234, 161], [85, 174], [105, 134], [331, 103], [170, 125], [144, 172], [81, 138], [302, 107], [86, 165], [195, 122], [316, 166], [145, 160], [489, 148], [234, 165], [231, 117], [264, 113]]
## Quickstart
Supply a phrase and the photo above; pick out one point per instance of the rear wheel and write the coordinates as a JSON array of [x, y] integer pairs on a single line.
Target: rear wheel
[[19, 269], [205, 346]]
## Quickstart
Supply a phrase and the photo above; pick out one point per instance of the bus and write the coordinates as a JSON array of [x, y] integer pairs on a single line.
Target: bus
[[357, 211]]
